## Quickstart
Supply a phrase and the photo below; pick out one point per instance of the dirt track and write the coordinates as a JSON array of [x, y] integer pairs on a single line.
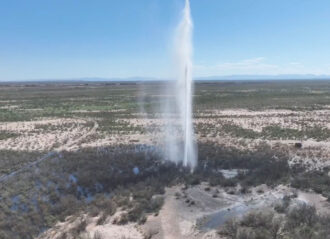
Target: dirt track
[[54, 153]]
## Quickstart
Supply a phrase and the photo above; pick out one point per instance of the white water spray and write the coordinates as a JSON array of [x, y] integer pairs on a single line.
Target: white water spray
[[185, 85], [182, 148]]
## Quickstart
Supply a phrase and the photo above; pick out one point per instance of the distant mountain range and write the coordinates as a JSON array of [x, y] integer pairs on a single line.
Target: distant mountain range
[[224, 78], [267, 77], [209, 78]]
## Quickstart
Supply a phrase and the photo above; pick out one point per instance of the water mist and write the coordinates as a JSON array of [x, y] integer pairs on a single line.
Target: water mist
[[180, 140]]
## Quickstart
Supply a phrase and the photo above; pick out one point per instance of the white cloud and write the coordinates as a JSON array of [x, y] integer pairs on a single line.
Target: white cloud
[[258, 66]]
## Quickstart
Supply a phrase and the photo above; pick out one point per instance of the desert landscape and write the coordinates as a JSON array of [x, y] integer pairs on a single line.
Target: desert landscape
[[153, 119], [84, 160]]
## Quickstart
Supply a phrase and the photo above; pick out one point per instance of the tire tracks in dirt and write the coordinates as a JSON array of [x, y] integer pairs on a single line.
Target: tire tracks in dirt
[[56, 151]]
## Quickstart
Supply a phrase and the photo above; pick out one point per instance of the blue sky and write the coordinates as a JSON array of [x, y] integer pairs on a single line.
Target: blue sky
[[57, 39]]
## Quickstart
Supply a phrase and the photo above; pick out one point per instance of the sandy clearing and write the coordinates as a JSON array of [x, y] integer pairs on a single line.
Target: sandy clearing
[[313, 152], [254, 120], [245, 112], [28, 126], [73, 142], [33, 137], [98, 111], [9, 107], [258, 122], [179, 219], [67, 146], [72, 134], [193, 213], [107, 231]]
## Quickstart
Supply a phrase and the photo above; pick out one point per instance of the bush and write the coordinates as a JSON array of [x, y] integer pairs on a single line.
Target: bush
[[319, 181], [79, 228], [255, 225], [301, 222], [97, 235], [303, 215], [283, 205]]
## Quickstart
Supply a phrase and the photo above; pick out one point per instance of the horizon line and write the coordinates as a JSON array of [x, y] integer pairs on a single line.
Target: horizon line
[[197, 78]]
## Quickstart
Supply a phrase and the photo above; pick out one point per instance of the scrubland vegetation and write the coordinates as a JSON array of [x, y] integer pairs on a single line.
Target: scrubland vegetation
[[296, 222], [14, 160], [293, 95], [104, 180], [101, 182]]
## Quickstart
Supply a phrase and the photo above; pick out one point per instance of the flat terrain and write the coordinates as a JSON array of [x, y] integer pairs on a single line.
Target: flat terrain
[[85, 156]]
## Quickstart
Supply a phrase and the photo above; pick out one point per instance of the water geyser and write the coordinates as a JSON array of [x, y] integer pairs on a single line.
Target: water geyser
[[181, 145], [185, 85]]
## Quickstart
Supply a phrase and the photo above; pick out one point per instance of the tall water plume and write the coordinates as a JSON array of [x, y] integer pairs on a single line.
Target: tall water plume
[[180, 141]]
